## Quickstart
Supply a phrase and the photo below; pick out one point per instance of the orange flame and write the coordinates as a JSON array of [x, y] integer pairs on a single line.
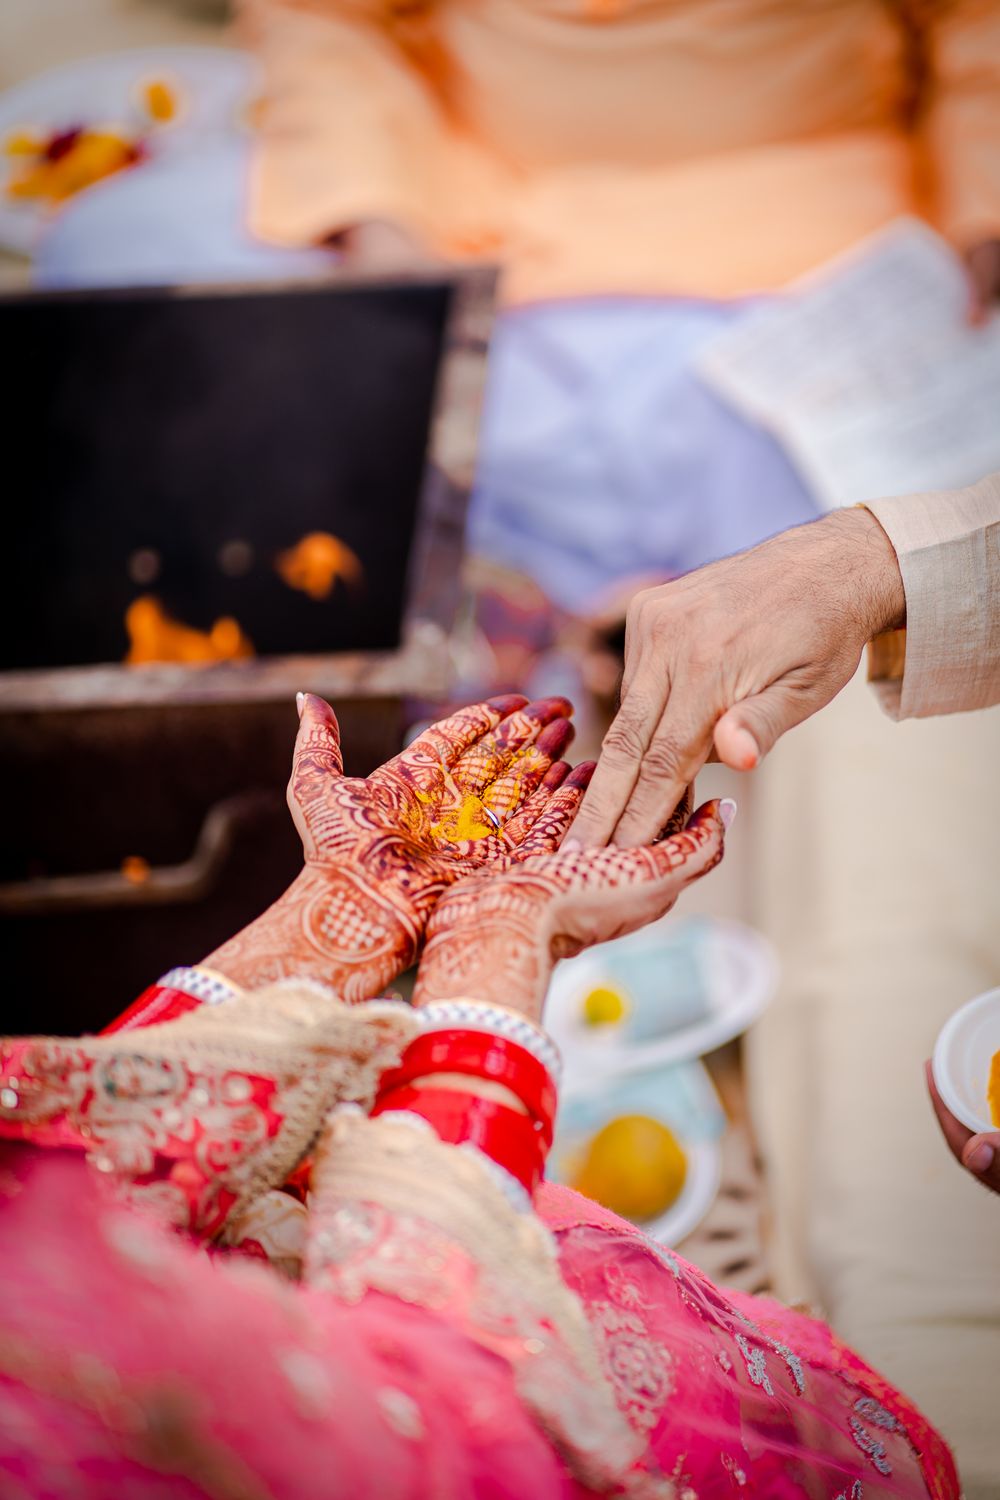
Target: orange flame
[[154, 636], [315, 564]]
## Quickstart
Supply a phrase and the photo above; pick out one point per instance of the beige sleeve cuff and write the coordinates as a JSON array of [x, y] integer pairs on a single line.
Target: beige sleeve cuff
[[948, 658]]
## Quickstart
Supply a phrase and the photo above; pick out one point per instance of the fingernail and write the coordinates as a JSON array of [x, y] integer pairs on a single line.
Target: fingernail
[[300, 702], [980, 1159], [727, 811], [570, 846]]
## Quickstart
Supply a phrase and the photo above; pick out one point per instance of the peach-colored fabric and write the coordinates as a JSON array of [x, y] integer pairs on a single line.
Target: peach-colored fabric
[[948, 545], [686, 147]]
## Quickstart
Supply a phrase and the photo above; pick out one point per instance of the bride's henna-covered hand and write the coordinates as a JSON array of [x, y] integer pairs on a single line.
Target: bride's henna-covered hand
[[480, 788], [496, 937]]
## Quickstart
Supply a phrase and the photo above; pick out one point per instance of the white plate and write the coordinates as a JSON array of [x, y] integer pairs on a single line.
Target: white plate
[[962, 1057], [740, 972], [215, 87], [691, 1109]]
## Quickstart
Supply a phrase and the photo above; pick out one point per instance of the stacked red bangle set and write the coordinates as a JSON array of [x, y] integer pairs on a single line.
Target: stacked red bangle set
[[517, 1142]]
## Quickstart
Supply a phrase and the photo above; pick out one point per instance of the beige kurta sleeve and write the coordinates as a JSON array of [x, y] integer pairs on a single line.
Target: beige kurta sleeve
[[356, 124], [948, 658]]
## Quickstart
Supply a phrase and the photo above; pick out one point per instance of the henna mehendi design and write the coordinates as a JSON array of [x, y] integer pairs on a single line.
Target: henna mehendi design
[[496, 937], [482, 789]]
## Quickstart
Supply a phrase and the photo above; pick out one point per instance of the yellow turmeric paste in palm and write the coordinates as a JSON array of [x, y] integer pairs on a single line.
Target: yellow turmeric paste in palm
[[464, 822]]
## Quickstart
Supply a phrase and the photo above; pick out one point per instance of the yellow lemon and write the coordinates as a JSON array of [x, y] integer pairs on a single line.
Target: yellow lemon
[[603, 1007], [634, 1166], [993, 1089]]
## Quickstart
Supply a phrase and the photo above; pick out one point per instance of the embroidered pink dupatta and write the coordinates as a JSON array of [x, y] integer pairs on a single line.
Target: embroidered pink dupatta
[[133, 1365], [738, 1394]]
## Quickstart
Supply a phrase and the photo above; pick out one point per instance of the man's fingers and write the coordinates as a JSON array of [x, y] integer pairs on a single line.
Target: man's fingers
[[981, 1157], [681, 814], [673, 758], [621, 760], [978, 1154]]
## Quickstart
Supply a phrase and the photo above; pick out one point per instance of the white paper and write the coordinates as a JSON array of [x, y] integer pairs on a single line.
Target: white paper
[[868, 372]]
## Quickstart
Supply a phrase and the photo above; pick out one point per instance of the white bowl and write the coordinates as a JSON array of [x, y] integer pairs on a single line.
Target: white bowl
[[962, 1057]]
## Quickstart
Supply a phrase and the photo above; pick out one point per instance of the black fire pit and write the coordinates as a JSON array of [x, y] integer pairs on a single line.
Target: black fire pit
[[182, 451]]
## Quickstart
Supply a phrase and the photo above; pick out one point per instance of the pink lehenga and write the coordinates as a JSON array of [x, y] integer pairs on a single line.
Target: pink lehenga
[[442, 1340]]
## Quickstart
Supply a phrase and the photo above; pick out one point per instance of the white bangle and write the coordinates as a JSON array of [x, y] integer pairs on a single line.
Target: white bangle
[[496, 1020], [204, 984]]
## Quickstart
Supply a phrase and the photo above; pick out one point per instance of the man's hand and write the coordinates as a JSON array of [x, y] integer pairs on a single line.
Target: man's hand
[[734, 654], [978, 1154]]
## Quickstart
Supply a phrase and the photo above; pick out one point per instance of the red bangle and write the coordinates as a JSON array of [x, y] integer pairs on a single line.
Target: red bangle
[[478, 1054], [510, 1139], [158, 1003]]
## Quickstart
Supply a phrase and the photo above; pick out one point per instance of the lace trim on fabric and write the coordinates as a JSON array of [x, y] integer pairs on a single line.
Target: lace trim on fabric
[[395, 1211], [239, 1090]]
